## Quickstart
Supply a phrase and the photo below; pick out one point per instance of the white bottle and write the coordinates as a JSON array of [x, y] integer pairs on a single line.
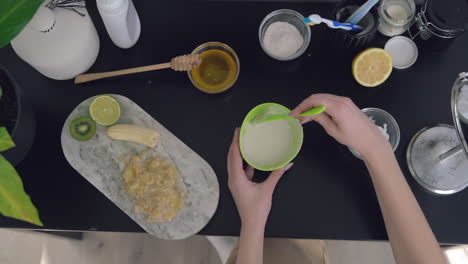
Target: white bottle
[[121, 21]]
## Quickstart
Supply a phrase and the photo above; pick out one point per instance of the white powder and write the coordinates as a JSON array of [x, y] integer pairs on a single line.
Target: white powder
[[282, 39], [383, 129], [397, 11]]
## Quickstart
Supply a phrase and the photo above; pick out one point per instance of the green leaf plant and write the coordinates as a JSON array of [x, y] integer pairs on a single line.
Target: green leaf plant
[[14, 16], [14, 202]]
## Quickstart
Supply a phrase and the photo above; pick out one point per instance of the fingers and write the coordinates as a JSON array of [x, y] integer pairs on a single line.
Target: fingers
[[324, 120], [275, 176], [234, 156], [333, 103], [315, 100], [249, 171], [307, 119], [327, 123]]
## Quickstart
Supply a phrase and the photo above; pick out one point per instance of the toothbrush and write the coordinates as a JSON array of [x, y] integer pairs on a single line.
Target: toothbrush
[[361, 12], [316, 19]]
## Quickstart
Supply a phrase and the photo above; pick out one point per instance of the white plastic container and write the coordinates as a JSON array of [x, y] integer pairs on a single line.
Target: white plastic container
[[121, 21]]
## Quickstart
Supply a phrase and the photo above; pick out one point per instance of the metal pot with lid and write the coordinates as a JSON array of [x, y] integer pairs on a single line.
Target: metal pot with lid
[[440, 20]]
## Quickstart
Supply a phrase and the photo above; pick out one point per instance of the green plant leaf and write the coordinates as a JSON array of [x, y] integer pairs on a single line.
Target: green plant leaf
[[14, 202], [14, 16], [5, 140]]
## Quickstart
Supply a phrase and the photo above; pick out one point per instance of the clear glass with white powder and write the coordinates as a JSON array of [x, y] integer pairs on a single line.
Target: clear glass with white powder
[[283, 35]]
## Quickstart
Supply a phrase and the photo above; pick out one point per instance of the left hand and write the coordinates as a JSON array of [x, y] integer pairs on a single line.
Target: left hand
[[253, 200]]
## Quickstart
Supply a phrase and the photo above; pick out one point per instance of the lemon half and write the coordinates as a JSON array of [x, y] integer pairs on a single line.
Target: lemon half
[[372, 67]]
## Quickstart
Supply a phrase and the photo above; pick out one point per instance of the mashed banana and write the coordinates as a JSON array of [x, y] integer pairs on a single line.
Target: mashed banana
[[152, 183]]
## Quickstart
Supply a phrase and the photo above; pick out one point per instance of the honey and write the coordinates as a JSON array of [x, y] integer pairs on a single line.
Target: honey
[[217, 72]]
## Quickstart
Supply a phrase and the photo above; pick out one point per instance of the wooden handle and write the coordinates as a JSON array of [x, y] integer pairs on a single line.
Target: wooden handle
[[96, 76]]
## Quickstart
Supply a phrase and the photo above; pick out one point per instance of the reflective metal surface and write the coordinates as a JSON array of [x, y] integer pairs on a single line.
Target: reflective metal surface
[[429, 165], [461, 123], [438, 156]]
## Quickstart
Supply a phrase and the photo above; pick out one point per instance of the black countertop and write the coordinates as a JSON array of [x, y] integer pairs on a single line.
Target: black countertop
[[327, 194]]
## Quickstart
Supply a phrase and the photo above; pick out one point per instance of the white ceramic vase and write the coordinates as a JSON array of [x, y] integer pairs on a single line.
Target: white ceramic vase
[[58, 43]]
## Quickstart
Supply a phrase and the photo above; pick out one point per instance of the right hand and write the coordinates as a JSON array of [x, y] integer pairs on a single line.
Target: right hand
[[345, 122]]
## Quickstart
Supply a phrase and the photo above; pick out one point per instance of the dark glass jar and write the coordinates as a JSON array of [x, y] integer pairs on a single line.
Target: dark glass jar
[[438, 22], [346, 40]]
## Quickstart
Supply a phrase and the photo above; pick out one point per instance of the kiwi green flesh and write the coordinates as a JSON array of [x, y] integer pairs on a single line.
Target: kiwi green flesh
[[83, 128]]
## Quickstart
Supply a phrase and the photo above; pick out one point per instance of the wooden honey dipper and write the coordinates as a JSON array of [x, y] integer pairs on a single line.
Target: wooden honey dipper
[[180, 63]]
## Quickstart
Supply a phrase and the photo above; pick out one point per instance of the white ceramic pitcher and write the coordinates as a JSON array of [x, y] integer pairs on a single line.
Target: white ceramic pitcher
[[59, 42]]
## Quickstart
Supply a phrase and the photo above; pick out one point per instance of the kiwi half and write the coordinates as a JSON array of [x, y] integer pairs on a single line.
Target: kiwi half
[[83, 128]]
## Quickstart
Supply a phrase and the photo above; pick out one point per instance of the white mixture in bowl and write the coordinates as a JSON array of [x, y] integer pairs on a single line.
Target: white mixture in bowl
[[268, 143]]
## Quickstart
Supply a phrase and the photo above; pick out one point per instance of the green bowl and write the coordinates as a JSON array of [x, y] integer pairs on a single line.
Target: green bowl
[[296, 127]]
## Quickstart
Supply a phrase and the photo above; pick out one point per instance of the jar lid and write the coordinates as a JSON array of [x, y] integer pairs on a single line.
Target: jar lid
[[403, 50]]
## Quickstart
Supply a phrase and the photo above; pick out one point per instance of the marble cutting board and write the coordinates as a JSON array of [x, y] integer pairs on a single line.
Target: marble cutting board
[[101, 161]]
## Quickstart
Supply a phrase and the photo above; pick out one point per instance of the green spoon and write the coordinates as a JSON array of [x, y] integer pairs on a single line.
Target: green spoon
[[310, 112]]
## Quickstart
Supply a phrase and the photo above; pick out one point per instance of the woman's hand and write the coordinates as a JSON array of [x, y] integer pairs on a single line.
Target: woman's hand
[[345, 122], [253, 200]]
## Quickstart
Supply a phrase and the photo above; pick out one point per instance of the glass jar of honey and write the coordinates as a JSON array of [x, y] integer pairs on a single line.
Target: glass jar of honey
[[219, 68]]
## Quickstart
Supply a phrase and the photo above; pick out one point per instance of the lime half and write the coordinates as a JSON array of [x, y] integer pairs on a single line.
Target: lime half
[[105, 110]]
